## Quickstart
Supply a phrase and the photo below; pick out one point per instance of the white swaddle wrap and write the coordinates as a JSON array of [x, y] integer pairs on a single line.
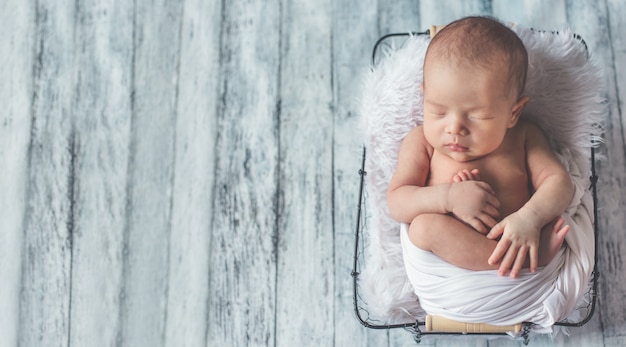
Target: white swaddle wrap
[[564, 86], [544, 297]]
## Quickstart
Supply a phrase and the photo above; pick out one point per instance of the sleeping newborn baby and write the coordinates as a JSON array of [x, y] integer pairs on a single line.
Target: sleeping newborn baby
[[479, 187]]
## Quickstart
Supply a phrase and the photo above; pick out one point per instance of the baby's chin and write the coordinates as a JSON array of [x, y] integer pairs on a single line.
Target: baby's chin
[[461, 156]]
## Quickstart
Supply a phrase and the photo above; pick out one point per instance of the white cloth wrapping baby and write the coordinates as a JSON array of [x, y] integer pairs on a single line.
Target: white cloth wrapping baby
[[544, 297], [564, 85]]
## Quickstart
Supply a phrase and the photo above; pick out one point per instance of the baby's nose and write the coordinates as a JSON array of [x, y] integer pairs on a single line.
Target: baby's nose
[[456, 127]]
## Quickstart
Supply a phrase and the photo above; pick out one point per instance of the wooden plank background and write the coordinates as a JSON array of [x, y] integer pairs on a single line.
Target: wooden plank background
[[184, 173]]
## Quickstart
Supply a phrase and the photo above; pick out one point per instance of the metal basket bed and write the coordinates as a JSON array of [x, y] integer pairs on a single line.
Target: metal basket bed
[[420, 328]]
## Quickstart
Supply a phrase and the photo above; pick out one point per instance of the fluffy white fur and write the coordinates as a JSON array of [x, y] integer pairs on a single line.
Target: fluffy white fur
[[563, 84]]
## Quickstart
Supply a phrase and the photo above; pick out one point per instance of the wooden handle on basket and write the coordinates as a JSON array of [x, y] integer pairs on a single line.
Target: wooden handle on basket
[[434, 29], [440, 324]]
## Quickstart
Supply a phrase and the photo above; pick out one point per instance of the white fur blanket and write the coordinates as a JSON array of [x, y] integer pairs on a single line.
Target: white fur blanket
[[563, 84]]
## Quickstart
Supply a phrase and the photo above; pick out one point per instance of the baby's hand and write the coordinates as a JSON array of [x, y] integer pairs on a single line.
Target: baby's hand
[[475, 203], [520, 237], [467, 175]]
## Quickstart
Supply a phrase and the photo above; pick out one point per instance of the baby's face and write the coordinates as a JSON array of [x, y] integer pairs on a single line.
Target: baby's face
[[467, 110]]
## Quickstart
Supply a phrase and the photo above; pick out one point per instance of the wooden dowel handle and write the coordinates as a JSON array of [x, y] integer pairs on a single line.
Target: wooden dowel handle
[[434, 29], [441, 324]]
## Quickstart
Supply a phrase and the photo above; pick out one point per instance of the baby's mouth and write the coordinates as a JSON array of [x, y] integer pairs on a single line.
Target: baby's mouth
[[455, 147]]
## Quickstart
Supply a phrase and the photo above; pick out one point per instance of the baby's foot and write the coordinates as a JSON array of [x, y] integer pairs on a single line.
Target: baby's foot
[[552, 238], [466, 175]]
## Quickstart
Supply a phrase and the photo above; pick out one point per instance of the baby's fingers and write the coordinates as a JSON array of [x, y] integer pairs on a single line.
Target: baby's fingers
[[478, 225], [491, 211], [495, 232], [499, 252], [534, 255], [519, 261], [475, 174], [508, 260], [560, 222], [487, 220], [463, 176]]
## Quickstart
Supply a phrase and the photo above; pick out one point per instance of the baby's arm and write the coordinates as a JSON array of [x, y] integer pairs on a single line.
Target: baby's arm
[[408, 195], [553, 193]]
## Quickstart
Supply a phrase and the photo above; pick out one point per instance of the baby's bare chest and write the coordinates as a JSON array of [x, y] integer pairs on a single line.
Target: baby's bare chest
[[506, 173]]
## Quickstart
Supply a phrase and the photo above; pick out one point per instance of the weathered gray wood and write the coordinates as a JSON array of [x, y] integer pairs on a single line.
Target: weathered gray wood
[[17, 21], [48, 228], [539, 14], [603, 26], [154, 103], [615, 341], [192, 210], [446, 11], [242, 278], [305, 274], [354, 34], [399, 17], [613, 239], [101, 115]]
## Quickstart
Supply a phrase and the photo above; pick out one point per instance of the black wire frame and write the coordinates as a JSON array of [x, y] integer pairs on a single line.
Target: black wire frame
[[414, 327]]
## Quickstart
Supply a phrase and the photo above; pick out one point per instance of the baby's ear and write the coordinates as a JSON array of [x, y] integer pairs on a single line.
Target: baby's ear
[[517, 110]]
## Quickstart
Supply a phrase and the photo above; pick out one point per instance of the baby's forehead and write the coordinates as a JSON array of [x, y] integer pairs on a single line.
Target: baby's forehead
[[482, 51], [496, 63], [439, 72], [464, 65]]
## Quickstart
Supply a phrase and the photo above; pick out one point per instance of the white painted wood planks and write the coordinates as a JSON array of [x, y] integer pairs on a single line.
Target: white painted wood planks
[[194, 175], [48, 226], [305, 258], [101, 116], [156, 61], [242, 301], [17, 23]]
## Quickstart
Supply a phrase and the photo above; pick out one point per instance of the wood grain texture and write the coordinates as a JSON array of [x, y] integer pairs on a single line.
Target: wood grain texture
[[156, 42], [539, 14], [610, 50], [17, 21], [354, 33], [543, 15], [48, 229], [242, 303], [194, 175], [435, 12], [399, 17], [305, 263], [101, 115]]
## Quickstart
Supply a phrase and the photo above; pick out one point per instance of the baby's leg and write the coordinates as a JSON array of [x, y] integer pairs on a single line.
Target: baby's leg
[[452, 240], [460, 245], [552, 238]]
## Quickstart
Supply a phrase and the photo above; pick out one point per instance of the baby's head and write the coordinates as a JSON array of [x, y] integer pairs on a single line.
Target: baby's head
[[481, 42], [474, 75]]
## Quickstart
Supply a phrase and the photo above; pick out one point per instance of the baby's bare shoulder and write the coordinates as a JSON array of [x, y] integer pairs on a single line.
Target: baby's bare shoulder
[[532, 133], [525, 126], [415, 134], [415, 140]]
